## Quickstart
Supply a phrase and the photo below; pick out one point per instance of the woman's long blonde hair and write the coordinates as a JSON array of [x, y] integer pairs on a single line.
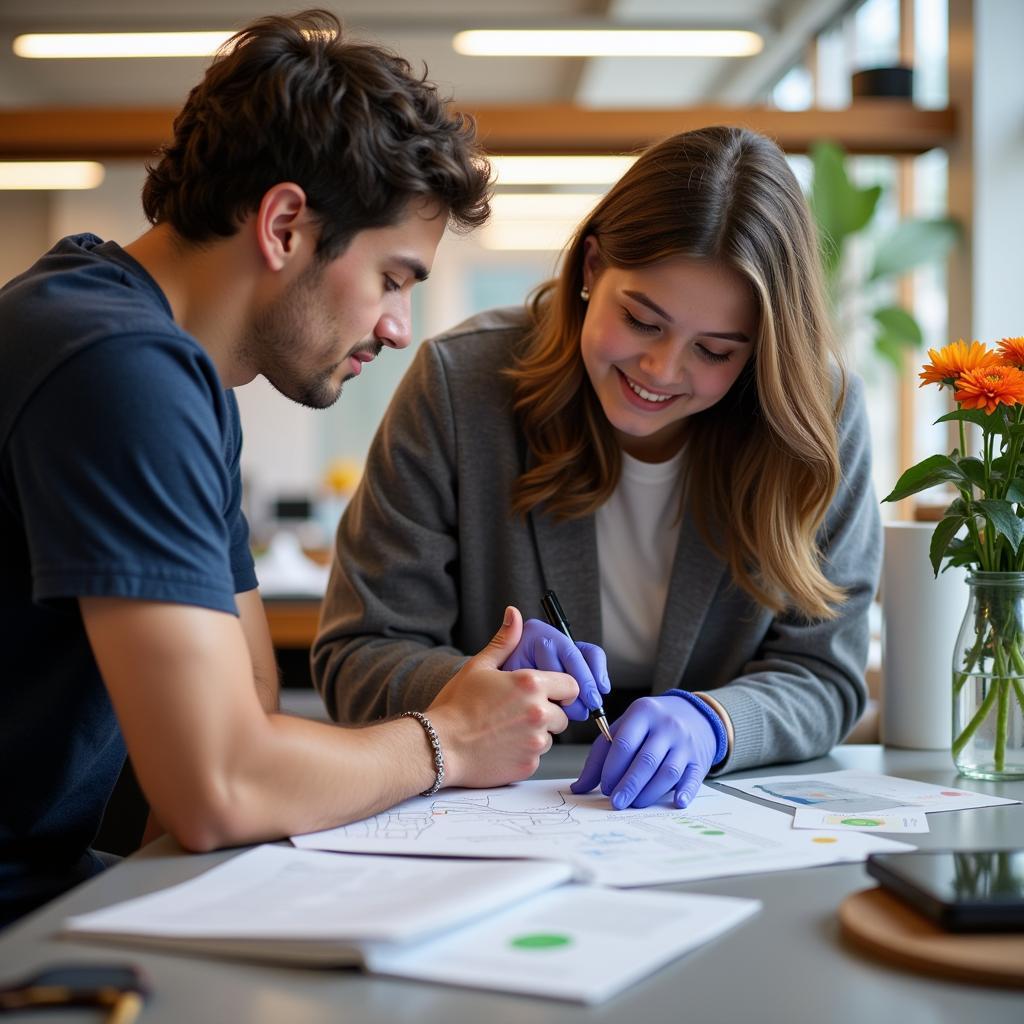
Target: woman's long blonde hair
[[762, 463]]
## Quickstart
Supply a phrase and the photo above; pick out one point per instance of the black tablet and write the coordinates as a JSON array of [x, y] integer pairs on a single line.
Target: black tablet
[[961, 890]]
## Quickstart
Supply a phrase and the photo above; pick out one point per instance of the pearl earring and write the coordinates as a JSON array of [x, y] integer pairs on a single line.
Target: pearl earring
[[585, 293]]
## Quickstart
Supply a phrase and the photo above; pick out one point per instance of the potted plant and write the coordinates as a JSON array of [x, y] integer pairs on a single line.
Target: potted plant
[[843, 210], [983, 529]]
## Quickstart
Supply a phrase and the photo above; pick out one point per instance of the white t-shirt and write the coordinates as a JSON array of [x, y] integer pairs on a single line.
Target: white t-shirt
[[637, 533]]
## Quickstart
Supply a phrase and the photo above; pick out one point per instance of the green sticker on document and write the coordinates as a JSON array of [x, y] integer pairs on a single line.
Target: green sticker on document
[[541, 940]]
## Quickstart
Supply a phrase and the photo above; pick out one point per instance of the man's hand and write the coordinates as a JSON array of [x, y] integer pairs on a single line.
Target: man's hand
[[550, 650], [661, 745], [493, 724]]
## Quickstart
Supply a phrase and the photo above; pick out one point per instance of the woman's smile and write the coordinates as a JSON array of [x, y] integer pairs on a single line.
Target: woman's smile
[[644, 397]]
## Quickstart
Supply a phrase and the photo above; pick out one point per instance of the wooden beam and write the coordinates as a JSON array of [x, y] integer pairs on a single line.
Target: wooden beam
[[89, 133], [875, 126], [868, 126]]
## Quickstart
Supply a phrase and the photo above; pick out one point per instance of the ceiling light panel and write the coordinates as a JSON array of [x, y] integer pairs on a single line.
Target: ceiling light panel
[[560, 206], [106, 45], [560, 170], [50, 174], [607, 43]]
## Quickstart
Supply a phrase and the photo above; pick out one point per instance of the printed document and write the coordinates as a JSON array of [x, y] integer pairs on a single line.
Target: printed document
[[510, 927], [284, 902], [577, 943], [856, 792], [896, 819], [717, 835]]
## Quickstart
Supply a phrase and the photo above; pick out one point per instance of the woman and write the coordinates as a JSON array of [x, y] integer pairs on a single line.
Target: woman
[[665, 437]]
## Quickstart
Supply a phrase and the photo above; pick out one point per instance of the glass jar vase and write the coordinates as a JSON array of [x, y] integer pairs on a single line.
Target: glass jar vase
[[988, 679]]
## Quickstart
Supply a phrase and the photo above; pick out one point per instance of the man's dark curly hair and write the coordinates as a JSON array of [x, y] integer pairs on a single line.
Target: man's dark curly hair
[[291, 99]]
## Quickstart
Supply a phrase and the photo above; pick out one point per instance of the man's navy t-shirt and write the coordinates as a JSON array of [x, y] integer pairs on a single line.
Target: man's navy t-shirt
[[119, 476]]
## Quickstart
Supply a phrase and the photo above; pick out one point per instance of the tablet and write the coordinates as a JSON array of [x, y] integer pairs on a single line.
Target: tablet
[[961, 890]]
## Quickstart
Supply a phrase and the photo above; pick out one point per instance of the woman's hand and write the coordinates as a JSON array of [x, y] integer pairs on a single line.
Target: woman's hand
[[660, 745], [548, 649]]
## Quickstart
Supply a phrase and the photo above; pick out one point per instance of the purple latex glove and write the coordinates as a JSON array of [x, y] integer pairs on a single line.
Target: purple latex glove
[[550, 650], [662, 745]]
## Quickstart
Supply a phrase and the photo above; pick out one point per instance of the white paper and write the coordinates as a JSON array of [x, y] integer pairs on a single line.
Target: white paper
[[280, 893], [898, 819], [717, 835], [853, 791], [577, 943]]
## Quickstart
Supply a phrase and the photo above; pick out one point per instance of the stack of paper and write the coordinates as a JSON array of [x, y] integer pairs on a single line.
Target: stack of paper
[[717, 835], [505, 925]]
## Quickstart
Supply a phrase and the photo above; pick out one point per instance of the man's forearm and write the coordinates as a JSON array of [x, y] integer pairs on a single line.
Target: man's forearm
[[299, 776], [218, 770]]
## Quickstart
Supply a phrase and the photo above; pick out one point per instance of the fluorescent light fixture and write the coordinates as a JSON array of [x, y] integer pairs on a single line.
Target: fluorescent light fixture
[[567, 207], [78, 45], [535, 221], [560, 170], [525, 235], [50, 174], [620, 42]]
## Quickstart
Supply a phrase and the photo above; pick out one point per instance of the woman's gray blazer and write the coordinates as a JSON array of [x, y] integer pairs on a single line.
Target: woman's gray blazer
[[428, 556]]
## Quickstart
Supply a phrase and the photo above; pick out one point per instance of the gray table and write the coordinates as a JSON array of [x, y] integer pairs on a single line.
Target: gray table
[[787, 964]]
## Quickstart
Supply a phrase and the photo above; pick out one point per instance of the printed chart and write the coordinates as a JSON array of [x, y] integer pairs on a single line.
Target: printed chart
[[717, 835], [856, 792]]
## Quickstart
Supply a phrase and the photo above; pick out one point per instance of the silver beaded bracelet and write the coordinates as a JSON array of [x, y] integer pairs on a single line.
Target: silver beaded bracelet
[[435, 746]]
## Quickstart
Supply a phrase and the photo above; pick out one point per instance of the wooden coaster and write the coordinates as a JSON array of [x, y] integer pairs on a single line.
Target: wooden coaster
[[887, 927]]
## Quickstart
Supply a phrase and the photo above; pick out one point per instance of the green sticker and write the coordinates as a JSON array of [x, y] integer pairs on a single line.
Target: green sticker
[[860, 821], [540, 940], [712, 832]]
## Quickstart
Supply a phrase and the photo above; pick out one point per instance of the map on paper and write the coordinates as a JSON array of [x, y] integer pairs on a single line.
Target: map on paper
[[717, 835], [856, 792]]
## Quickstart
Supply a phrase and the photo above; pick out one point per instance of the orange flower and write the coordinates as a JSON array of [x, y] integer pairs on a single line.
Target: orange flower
[[948, 363], [1012, 351], [989, 387]]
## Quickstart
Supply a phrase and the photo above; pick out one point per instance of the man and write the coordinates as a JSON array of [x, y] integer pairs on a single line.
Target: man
[[304, 194]]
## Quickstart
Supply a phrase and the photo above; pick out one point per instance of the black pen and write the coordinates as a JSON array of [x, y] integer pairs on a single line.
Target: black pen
[[556, 617]]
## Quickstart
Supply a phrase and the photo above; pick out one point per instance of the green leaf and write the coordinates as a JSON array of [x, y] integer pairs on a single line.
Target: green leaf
[[936, 469], [974, 470], [962, 552], [840, 207], [1015, 492], [941, 539], [912, 243], [958, 507], [898, 324], [1004, 520], [992, 423], [890, 349]]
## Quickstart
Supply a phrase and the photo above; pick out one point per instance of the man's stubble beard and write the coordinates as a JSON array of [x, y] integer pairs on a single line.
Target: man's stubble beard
[[281, 330]]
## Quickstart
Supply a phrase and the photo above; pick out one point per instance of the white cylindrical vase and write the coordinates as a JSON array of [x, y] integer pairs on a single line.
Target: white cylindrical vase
[[921, 617]]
